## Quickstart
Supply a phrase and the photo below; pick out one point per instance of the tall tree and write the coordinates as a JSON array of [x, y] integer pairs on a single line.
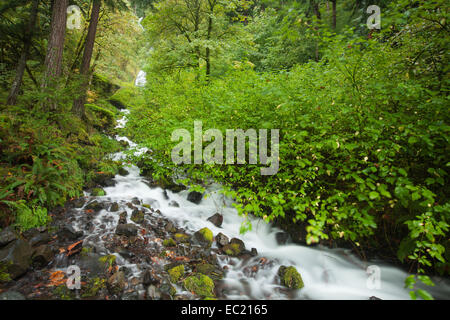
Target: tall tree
[[78, 105], [54, 57], [333, 14], [21, 66]]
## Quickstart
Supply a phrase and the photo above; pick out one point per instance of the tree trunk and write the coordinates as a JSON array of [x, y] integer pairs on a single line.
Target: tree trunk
[[53, 59], [334, 20], [78, 104], [28, 37]]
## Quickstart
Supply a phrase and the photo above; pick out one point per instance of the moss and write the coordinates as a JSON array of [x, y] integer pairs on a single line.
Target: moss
[[147, 206], [64, 293], [93, 287], [210, 270], [127, 97], [200, 284], [98, 192], [232, 249], [86, 251], [4, 275], [176, 273], [290, 277], [169, 243], [108, 260], [206, 235], [181, 238]]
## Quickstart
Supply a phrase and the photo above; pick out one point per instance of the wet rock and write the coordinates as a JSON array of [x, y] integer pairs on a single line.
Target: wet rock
[[130, 296], [40, 239], [30, 233], [95, 206], [153, 293], [253, 252], [195, 197], [104, 179], [216, 220], [181, 238], [210, 270], [98, 192], [170, 227], [42, 256], [281, 237], [148, 279], [222, 240], [92, 263], [123, 172], [176, 273], [78, 203], [16, 258], [128, 230], [169, 243], [174, 204], [374, 298], [114, 207], [200, 284], [136, 201], [239, 243], [123, 218], [11, 295], [138, 216], [7, 236], [125, 253], [116, 283], [69, 233], [167, 291], [290, 278], [165, 195], [203, 237]]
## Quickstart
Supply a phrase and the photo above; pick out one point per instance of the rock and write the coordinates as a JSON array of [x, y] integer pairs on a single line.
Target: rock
[[170, 227], [169, 243], [174, 204], [114, 207], [15, 258], [290, 278], [222, 240], [181, 238], [176, 273], [98, 192], [204, 237], [210, 270], [165, 195], [253, 252], [104, 179], [123, 218], [79, 203], [136, 201], [374, 298], [7, 236], [167, 291], [42, 256], [11, 295], [95, 206], [138, 216], [200, 284], [116, 283], [69, 233], [195, 197], [128, 230], [148, 279], [40, 239], [281, 237], [239, 243], [216, 220], [153, 293], [123, 172]]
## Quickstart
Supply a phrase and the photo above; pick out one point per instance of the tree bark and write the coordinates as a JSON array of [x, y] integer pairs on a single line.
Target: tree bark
[[334, 19], [54, 57], [78, 104], [21, 66]]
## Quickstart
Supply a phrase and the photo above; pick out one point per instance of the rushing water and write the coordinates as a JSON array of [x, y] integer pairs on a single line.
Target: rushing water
[[327, 273]]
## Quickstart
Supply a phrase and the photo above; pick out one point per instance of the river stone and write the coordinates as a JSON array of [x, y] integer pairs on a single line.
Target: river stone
[[136, 201], [7, 236], [137, 216], [195, 197], [203, 237], [79, 203], [123, 218], [95, 206], [40, 239], [69, 233], [114, 207], [210, 270], [16, 256], [239, 243], [216, 219], [174, 204], [11, 295], [290, 278], [153, 293], [222, 240], [116, 283], [123, 172], [148, 279], [42, 256], [128, 230]]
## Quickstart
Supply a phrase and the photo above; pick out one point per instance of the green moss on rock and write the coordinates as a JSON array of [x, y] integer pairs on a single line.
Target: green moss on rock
[[176, 273], [98, 192], [93, 287], [200, 284], [181, 238], [169, 243], [290, 277], [108, 260]]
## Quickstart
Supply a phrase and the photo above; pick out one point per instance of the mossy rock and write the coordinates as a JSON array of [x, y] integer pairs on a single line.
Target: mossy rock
[[93, 287], [200, 285], [4, 275], [181, 238], [204, 237], [210, 270], [169, 243], [98, 192], [108, 261], [62, 292], [232, 249], [138, 216], [176, 273], [290, 277]]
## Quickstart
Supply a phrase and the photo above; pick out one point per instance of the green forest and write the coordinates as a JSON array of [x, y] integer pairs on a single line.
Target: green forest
[[358, 91]]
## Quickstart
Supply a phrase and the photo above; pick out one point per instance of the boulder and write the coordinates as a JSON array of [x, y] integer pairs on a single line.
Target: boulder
[[69, 233], [123, 172], [222, 240], [203, 237], [98, 192], [114, 207], [200, 284], [95, 206], [116, 283], [216, 219], [195, 197], [290, 278], [138, 216], [40, 239], [7, 236], [42, 256], [210, 270], [176, 273], [128, 230], [15, 258]]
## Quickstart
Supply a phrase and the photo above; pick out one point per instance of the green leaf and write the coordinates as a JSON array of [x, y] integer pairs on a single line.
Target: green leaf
[[424, 294]]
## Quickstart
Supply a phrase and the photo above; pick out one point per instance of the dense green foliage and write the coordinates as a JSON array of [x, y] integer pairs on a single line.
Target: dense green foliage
[[364, 130]]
